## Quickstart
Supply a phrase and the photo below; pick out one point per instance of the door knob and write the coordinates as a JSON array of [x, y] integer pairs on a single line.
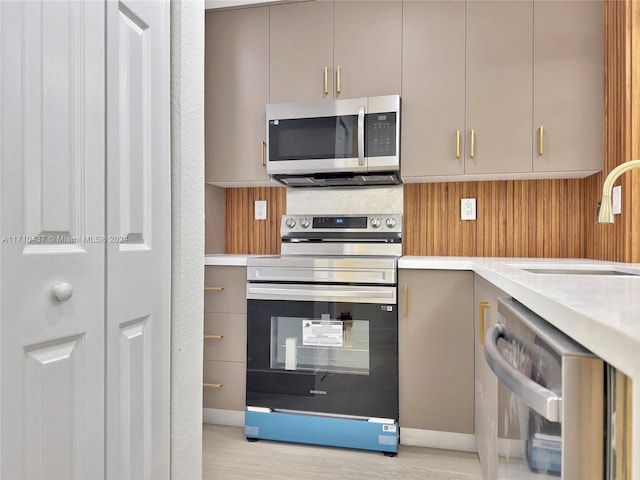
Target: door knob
[[63, 291]]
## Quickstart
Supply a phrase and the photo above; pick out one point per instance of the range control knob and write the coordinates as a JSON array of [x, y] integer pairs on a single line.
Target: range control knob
[[375, 222], [304, 223], [391, 222], [290, 222]]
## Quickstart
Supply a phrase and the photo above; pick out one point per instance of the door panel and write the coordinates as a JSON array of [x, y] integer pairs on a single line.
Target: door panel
[[135, 392], [54, 382], [52, 229], [134, 131], [138, 255]]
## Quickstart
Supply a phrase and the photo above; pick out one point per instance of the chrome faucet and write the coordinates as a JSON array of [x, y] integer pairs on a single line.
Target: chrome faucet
[[605, 210]]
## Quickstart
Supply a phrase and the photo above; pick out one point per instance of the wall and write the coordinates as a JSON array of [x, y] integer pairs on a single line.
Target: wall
[[187, 236]]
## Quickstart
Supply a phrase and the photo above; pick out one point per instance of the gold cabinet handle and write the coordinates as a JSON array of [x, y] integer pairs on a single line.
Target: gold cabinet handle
[[213, 337], [482, 307], [212, 385], [406, 300], [541, 144], [457, 143], [214, 289], [326, 80], [263, 149], [338, 82], [473, 142]]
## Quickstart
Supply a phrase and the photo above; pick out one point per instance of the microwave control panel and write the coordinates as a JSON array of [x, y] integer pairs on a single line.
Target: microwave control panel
[[381, 134]]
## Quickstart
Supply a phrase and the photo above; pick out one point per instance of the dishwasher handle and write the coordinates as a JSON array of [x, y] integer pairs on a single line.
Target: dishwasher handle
[[542, 400]]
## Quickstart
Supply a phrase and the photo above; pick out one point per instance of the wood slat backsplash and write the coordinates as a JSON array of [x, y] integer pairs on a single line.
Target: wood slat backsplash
[[243, 234], [620, 241], [515, 218]]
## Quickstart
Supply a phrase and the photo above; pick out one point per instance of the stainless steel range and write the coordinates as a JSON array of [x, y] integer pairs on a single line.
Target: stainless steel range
[[322, 334]]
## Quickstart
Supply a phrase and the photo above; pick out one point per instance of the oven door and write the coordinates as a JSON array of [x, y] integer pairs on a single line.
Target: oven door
[[327, 349]]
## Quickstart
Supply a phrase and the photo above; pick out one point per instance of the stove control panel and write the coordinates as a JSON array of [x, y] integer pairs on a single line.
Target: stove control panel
[[326, 224]]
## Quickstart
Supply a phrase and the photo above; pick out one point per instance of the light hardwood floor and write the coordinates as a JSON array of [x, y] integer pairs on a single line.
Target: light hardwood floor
[[228, 456]]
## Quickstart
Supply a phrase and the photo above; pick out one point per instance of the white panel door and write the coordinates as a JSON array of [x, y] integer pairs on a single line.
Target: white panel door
[[52, 226], [138, 250]]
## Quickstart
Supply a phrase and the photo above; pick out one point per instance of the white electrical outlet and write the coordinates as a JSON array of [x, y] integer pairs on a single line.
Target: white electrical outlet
[[260, 209], [467, 209], [617, 200]]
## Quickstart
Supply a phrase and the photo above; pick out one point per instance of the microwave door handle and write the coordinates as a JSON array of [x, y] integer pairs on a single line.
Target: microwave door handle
[[539, 398], [361, 135]]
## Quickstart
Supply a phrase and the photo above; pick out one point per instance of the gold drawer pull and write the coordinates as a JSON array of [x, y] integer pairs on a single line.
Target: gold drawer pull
[[338, 78], [482, 306], [213, 337], [263, 149], [326, 80], [541, 145], [212, 385], [457, 143], [473, 142], [406, 300], [214, 289]]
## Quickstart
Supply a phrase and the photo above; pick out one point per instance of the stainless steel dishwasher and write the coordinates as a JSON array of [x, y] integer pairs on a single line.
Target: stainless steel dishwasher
[[551, 399]]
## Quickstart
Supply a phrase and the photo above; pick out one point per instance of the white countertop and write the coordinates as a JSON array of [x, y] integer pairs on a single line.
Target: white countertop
[[231, 260]]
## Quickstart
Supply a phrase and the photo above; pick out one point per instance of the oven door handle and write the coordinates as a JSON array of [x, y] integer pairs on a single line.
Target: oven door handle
[[542, 400], [380, 295]]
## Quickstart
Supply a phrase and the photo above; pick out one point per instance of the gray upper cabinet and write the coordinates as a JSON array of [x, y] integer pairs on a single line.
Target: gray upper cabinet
[[368, 47], [345, 49], [236, 93], [433, 82], [568, 86], [479, 79], [499, 87], [301, 52]]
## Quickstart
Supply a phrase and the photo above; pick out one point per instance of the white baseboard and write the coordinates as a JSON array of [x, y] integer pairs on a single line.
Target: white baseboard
[[216, 416], [416, 437]]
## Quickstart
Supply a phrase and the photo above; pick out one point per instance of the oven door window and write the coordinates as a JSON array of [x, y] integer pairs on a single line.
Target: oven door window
[[320, 344], [317, 356]]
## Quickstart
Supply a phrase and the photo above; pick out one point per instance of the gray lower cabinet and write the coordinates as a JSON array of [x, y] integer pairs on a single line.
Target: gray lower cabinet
[[486, 383], [225, 338], [435, 328]]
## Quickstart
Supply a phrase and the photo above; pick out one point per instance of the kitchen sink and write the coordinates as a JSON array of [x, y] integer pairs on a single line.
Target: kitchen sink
[[578, 269], [581, 271]]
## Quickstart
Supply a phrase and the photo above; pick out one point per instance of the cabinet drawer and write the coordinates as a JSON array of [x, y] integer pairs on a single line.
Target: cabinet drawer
[[231, 376], [232, 297], [232, 347]]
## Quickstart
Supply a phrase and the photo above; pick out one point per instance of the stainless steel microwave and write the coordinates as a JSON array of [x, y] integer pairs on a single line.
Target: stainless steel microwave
[[335, 142]]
